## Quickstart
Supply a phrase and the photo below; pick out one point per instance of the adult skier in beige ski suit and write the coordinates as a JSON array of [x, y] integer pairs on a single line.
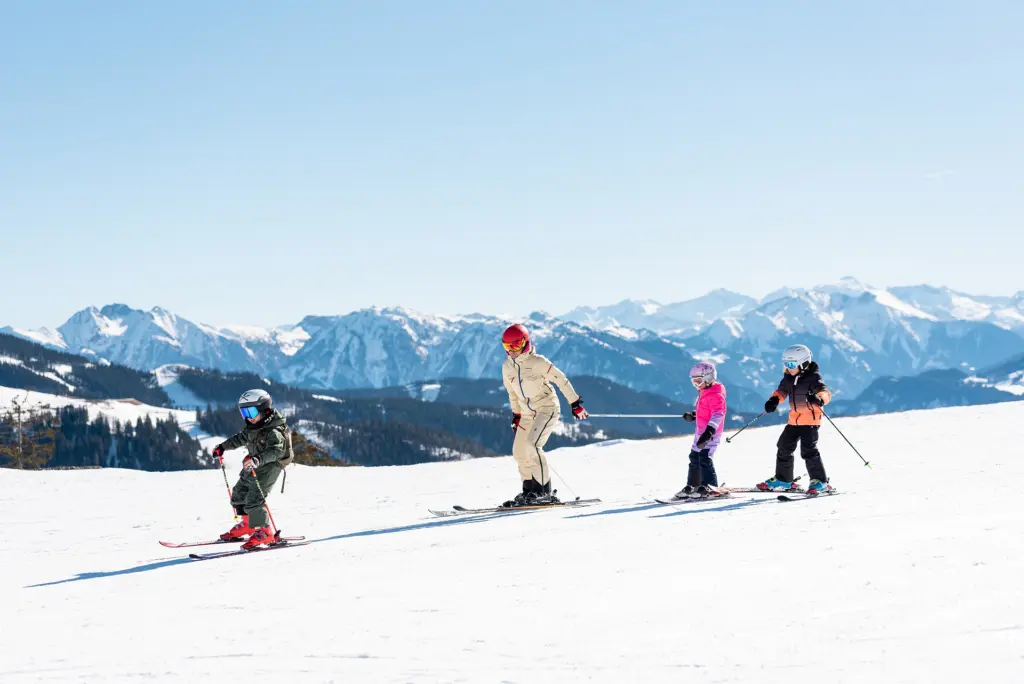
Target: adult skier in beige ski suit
[[528, 378]]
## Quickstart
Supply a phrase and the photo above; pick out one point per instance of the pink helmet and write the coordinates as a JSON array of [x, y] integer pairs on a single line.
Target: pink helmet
[[703, 374]]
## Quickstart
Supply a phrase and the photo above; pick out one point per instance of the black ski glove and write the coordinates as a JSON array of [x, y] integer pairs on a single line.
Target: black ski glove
[[689, 416], [516, 417], [705, 436], [814, 400], [771, 404]]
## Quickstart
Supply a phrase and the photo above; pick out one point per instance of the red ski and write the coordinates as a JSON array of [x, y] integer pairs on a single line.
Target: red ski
[[242, 552], [183, 545]]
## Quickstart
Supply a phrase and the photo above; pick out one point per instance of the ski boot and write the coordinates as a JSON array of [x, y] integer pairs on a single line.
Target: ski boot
[[775, 485], [533, 494], [239, 531], [545, 495], [685, 493], [817, 487], [262, 536], [520, 499], [545, 500]]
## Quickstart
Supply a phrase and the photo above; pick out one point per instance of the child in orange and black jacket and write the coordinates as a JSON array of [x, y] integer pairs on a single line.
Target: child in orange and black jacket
[[807, 394]]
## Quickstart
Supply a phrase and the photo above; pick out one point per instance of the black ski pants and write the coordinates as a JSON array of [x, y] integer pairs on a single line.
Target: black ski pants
[[807, 436], [702, 469]]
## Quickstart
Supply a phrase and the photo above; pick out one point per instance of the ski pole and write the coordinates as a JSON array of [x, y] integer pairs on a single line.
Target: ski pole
[[562, 479], [635, 415], [844, 437], [252, 471], [228, 487], [755, 419]]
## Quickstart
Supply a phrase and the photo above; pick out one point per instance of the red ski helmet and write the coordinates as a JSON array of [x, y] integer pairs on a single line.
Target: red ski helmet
[[516, 338]]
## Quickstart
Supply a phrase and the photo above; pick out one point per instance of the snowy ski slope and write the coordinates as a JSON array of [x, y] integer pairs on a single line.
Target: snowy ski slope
[[914, 574]]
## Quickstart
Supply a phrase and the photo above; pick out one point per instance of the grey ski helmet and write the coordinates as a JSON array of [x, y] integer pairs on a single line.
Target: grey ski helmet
[[253, 403], [797, 356]]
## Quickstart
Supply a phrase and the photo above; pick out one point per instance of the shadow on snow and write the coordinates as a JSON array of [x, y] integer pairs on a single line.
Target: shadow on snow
[[616, 511], [445, 522], [690, 509], [114, 573], [687, 509]]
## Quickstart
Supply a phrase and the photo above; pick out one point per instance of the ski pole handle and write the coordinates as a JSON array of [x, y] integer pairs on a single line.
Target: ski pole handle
[[755, 419]]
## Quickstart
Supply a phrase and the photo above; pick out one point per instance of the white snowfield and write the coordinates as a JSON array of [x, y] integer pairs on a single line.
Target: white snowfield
[[914, 574]]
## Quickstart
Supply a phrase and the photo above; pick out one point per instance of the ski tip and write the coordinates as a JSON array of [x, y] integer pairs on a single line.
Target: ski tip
[[804, 496]]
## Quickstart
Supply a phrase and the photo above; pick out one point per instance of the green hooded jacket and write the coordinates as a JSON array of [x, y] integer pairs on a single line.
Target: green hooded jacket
[[267, 439]]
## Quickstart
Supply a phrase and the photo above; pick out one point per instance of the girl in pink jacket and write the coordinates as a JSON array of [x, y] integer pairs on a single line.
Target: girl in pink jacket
[[709, 416]]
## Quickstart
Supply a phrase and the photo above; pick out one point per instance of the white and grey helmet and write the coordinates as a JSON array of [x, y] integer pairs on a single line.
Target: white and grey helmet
[[797, 356], [703, 374], [254, 403]]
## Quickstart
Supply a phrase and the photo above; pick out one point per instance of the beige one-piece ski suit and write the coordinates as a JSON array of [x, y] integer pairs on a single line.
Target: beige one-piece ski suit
[[528, 380]]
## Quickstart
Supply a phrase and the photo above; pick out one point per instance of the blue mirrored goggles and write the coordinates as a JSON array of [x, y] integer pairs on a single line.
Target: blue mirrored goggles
[[249, 412], [791, 365]]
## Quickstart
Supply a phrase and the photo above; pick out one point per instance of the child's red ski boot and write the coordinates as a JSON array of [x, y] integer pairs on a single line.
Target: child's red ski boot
[[262, 536], [239, 531]]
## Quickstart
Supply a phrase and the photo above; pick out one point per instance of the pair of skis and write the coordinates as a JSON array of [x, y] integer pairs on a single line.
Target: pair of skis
[[461, 510], [794, 493], [280, 543], [780, 495]]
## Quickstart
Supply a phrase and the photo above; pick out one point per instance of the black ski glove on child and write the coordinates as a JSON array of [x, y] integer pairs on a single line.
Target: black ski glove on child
[[705, 436]]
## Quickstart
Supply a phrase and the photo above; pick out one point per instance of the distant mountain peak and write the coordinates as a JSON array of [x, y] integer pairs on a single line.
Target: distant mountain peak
[[846, 284], [114, 310]]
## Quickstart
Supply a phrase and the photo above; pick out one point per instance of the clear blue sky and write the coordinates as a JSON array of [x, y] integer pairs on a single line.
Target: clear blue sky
[[254, 162]]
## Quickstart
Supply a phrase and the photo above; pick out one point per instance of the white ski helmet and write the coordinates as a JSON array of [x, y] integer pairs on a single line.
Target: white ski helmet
[[705, 372], [797, 356], [254, 403]]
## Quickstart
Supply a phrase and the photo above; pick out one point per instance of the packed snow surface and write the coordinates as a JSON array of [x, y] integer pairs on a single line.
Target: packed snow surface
[[913, 574]]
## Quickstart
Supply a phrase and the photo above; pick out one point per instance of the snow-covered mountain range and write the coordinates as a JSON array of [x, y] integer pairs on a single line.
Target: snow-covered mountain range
[[858, 332], [665, 318], [861, 333]]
